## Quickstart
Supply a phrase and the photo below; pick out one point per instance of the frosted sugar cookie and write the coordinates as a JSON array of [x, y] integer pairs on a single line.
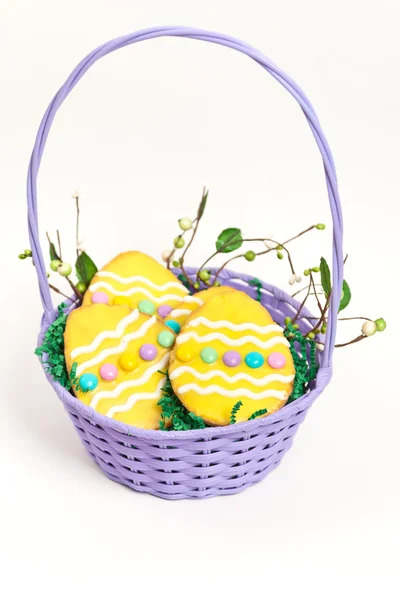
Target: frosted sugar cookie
[[136, 280], [118, 354], [178, 316], [231, 350]]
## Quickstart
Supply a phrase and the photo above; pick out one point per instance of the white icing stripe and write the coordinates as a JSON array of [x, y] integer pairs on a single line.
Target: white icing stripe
[[135, 290], [273, 328], [239, 393], [233, 379], [135, 278], [126, 385], [179, 312], [143, 329], [136, 398], [107, 335], [247, 339], [189, 299]]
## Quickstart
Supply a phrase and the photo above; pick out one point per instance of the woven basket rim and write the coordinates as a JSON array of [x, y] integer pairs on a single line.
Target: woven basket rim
[[323, 377]]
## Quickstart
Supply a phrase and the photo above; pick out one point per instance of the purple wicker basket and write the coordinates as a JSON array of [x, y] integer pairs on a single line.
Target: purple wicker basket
[[218, 460]]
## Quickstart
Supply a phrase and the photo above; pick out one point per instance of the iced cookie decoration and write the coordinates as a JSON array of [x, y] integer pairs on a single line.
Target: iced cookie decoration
[[137, 281], [176, 318], [118, 354], [230, 349]]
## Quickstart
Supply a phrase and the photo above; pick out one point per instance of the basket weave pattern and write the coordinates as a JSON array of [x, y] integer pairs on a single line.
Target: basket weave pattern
[[199, 463], [218, 460]]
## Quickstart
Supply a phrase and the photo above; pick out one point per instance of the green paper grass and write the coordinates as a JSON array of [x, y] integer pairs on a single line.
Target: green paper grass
[[174, 416], [235, 409], [53, 347], [258, 285], [305, 364], [258, 413]]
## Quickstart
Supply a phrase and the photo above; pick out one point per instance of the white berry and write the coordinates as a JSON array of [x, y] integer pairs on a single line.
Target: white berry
[[369, 328], [298, 278], [185, 224], [166, 255], [292, 280]]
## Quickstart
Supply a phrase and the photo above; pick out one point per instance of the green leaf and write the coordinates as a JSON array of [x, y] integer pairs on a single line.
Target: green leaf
[[53, 252], [229, 240], [325, 276], [85, 269], [202, 205], [346, 296]]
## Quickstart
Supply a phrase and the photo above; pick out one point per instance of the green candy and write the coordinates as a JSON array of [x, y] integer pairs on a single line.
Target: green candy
[[147, 307], [209, 355], [166, 339]]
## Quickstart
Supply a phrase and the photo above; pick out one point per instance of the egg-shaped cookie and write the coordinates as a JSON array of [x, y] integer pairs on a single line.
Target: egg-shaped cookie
[[137, 281], [230, 350], [116, 355], [179, 315]]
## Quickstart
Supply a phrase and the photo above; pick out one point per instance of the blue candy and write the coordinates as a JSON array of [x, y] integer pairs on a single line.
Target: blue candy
[[88, 382], [173, 325], [254, 360]]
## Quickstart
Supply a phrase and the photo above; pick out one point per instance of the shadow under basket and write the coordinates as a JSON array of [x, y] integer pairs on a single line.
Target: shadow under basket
[[203, 462], [216, 460]]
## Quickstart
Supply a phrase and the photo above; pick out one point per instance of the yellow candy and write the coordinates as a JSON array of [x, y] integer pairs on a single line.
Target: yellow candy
[[128, 361], [186, 352], [121, 300]]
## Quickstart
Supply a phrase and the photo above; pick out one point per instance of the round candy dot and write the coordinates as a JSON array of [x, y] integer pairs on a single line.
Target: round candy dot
[[164, 310], [100, 298], [122, 300], [166, 339], [148, 351], [147, 307], [108, 372], [88, 382], [254, 360], [276, 360], [232, 358], [128, 361], [209, 355], [185, 353], [173, 325]]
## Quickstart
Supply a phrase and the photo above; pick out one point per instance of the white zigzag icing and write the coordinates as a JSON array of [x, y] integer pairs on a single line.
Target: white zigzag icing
[[139, 278], [126, 385], [272, 328], [107, 335], [247, 339], [143, 329], [239, 393], [231, 379]]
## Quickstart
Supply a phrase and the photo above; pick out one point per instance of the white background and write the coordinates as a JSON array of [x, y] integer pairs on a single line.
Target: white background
[[145, 129]]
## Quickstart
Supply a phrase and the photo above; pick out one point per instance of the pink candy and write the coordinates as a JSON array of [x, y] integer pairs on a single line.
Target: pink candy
[[276, 360], [100, 298], [108, 372]]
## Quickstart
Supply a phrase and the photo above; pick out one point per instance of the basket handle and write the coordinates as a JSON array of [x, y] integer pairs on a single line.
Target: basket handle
[[224, 40]]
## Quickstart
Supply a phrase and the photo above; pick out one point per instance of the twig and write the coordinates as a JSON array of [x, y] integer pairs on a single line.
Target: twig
[[315, 292], [353, 318], [194, 230], [302, 304], [357, 339], [73, 286], [77, 226], [55, 289], [59, 244]]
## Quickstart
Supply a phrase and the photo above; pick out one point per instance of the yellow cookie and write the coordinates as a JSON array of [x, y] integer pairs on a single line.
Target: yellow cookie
[[181, 313], [231, 350], [132, 278], [118, 354]]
